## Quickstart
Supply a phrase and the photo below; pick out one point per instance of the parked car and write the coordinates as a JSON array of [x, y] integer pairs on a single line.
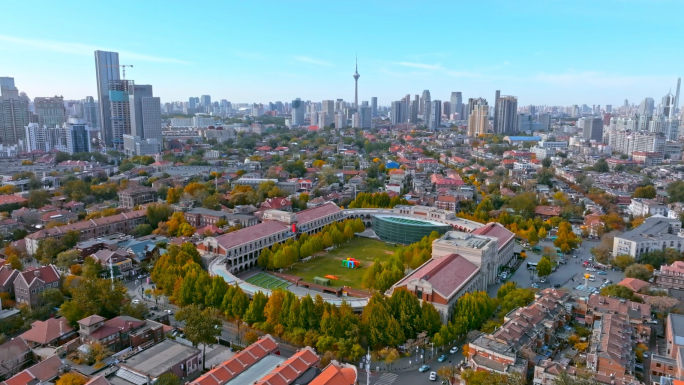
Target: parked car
[[602, 273], [453, 350], [154, 307], [645, 355], [433, 376], [543, 280], [169, 312], [442, 358], [424, 368], [574, 256], [136, 301], [557, 285], [536, 286]]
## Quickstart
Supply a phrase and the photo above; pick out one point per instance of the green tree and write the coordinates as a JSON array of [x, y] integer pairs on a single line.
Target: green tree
[[638, 271], [517, 298], [544, 267], [67, 258], [505, 289], [168, 379], [157, 213], [623, 261], [617, 291], [601, 166], [675, 191], [202, 326], [38, 199], [648, 192], [142, 230]]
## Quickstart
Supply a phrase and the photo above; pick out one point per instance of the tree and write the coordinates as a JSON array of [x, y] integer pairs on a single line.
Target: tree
[[38, 199], [168, 379], [448, 372], [648, 192], [617, 291], [544, 267], [250, 338], [157, 213], [638, 271], [601, 166], [142, 230], [542, 233], [546, 162], [532, 236], [675, 191], [623, 261], [202, 326], [173, 195], [14, 261], [68, 258], [71, 378]]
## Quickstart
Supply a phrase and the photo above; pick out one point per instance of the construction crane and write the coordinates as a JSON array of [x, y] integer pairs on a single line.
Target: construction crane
[[122, 66]]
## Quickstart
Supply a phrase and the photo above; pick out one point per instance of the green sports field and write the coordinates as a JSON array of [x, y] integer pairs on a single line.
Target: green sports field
[[267, 281], [364, 249]]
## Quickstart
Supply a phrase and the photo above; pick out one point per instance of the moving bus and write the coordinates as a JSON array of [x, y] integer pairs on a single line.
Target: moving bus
[[531, 266]]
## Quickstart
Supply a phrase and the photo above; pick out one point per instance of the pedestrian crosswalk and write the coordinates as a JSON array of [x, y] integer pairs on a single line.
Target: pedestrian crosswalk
[[386, 379]]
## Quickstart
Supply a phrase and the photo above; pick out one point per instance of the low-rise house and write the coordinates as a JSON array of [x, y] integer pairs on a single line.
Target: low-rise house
[[633, 284], [50, 333], [15, 356], [547, 212], [7, 277], [282, 204], [165, 357], [612, 347], [30, 284], [641, 207], [670, 364], [597, 307], [44, 372], [117, 261], [120, 332], [8, 225], [547, 371]]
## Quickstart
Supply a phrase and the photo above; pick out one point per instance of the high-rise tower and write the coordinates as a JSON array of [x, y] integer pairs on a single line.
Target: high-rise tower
[[107, 70], [356, 85]]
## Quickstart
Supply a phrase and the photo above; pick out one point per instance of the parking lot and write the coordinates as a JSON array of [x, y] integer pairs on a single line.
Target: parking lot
[[568, 276]]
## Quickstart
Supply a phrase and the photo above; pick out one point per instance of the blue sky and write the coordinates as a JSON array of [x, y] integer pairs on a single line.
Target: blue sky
[[544, 52]]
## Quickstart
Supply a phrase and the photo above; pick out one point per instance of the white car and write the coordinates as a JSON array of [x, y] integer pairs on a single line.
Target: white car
[[136, 301], [433, 376], [453, 350]]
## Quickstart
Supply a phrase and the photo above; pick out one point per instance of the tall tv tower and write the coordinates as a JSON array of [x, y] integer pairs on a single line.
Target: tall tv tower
[[356, 85]]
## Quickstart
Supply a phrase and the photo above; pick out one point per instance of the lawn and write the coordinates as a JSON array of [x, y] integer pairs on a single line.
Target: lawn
[[363, 249]]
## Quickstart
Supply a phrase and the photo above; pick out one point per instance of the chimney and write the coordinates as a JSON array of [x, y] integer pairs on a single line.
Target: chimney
[[36, 273]]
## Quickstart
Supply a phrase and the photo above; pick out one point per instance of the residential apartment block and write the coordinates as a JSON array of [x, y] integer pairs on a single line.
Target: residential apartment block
[[135, 196], [656, 233], [120, 223], [30, 284]]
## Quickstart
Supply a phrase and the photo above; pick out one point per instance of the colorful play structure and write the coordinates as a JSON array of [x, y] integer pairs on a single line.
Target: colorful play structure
[[332, 277], [351, 263]]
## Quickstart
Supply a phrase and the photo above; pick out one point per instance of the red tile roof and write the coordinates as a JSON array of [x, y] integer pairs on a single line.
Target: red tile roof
[[551, 211], [47, 274], [497, 231], [92, 320], [42, 372], [10, 199], [42, 332], [633, 284], [288, 371], [445, 274], [249, 234], [237, 364], [83, 225], [319, 212], [336, 374]]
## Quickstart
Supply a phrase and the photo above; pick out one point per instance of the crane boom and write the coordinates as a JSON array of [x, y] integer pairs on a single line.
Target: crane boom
[[122, 66]]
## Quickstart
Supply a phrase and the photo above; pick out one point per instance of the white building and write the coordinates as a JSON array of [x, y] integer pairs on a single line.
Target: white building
[[641, 207], [656, 233], [134, 146]]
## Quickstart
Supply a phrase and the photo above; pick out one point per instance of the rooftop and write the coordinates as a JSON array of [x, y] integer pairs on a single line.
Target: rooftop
[[158, 359], [461, 239], [653, 227], [446, 274]]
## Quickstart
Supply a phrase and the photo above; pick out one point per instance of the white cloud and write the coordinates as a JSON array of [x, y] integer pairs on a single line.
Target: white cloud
[[431, 67], [439, 68], [574, 78], [310, 60], [84, 49]]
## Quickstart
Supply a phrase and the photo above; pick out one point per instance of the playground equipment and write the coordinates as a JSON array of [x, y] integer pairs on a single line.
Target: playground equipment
[[332, 277], [351, 263]]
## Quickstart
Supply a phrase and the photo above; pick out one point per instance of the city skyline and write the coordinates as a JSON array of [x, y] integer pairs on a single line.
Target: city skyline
[[553, 58]]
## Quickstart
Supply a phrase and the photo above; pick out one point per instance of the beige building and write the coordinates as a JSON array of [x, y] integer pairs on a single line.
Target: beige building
[[479, 250], [478, 121]]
